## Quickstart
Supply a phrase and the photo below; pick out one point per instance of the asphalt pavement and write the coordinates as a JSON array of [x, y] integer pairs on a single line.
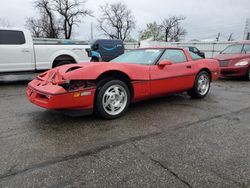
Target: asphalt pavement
[[174, 141]]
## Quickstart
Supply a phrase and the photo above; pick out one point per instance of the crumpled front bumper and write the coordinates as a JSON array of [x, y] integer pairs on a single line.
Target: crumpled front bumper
[[53, 96]]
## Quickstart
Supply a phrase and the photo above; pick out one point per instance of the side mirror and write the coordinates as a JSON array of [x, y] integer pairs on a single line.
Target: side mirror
[[165, 62]]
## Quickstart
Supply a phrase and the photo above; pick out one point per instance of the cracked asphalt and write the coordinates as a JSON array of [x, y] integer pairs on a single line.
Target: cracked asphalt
[[173, 141]]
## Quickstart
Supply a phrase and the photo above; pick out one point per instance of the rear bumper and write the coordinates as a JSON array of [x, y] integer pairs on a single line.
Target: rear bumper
[[70, 100], [233, 71]]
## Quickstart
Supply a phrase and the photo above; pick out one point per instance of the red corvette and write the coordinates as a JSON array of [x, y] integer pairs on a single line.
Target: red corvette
[[109, 87]]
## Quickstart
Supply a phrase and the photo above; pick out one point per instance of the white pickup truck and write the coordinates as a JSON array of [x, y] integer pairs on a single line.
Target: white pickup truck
[[20, 52]]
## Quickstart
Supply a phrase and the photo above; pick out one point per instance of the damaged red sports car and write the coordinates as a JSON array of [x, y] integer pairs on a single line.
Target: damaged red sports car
[[109, 87]]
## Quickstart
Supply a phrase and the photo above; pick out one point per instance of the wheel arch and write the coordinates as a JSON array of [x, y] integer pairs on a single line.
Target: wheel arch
[[116, 74], [64, 57], [207, 70], [60, 53]]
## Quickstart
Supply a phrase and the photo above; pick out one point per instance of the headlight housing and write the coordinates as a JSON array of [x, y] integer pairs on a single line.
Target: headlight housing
[[72, 85], [241, 63]]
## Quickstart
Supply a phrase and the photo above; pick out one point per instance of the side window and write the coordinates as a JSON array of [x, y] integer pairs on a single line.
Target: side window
[[191, 49], [11, 37], [246, 49], [195, 50], [195, 56], [174, 55]]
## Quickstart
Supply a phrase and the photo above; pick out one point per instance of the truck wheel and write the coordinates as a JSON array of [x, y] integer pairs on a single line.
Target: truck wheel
[[201, 85], [112, 99], [63, 63], [94, 60], [248, 74]]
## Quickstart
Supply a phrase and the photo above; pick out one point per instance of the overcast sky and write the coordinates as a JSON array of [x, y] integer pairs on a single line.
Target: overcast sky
[[204, 18]]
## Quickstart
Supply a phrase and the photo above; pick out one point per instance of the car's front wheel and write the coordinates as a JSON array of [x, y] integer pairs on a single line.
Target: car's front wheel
[[113, 99], [201, 85]]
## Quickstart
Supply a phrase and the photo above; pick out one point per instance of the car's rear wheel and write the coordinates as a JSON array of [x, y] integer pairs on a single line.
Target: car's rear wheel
[[113, 99], [248, 74], [201, 85]]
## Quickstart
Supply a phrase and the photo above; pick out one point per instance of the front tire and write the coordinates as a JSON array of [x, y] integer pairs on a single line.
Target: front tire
[[201, 85], [113, 99]]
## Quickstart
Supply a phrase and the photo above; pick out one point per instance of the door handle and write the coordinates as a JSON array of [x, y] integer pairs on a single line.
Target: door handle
[[189, 66], [25, 51]]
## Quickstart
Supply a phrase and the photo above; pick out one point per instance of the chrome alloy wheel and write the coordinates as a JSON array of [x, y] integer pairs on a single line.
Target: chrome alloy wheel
[[114, 100], [203, 84]]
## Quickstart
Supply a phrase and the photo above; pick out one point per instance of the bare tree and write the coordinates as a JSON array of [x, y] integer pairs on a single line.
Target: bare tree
[[71, 11], [34, 25], [48, 16], [116, 20], [153, 30], [178, 33], [41, 27], [46, 24], [4, 22], [171, 28], [56, 18]]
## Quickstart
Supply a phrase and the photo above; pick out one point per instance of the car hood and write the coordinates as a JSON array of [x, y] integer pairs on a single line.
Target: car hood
[[91, 71]]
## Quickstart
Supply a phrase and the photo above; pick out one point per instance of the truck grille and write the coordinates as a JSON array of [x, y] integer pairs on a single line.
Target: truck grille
[[224, 63]]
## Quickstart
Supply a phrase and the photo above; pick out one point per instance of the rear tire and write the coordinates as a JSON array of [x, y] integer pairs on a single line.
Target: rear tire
[[63, 63], [201, 85], [113, 99]]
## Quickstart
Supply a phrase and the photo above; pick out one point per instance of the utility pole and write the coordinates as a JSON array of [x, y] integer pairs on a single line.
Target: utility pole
[[218, 37], [92, 31], [230, 37], [248, 36], [246, 30]]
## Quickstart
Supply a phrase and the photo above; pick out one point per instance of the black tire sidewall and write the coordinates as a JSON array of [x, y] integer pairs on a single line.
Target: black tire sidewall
[[63, 63], [94, 60], [195, 89], [99, 96]]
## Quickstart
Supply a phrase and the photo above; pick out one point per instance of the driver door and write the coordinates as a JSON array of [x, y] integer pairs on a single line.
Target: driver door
[[176, 77]]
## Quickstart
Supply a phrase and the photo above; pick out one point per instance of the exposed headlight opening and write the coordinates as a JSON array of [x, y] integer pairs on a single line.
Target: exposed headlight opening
[[242, 63], [72, 85]]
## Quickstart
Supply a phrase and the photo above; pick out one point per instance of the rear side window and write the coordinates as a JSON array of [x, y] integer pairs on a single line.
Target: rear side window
[[246, 49], [195, 56], [174, 55], [11, 37]]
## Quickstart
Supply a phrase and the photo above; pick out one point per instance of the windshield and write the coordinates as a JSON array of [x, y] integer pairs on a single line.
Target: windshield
[[144, 56], [233, 49]]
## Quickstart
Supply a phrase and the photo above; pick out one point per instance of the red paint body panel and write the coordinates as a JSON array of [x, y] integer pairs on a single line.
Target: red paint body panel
[[148, 81], [91, 71], [60, 101]]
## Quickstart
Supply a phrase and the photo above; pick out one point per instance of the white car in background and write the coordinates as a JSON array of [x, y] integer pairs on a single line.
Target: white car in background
[[20, 52]]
